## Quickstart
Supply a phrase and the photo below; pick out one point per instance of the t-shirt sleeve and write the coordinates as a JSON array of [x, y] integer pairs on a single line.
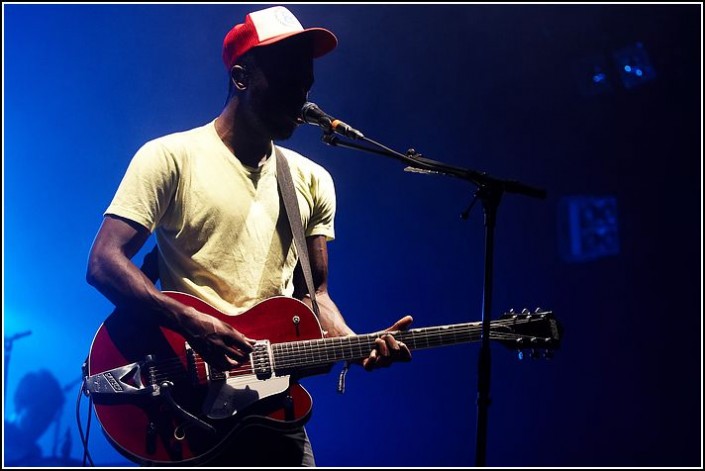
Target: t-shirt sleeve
[[148, 186], [323, 214]]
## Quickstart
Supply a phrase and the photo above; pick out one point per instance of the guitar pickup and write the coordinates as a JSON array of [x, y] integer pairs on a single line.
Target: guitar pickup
[[262, 360], [123, 380]]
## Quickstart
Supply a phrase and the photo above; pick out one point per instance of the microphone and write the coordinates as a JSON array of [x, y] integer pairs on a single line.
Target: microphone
[[312, 114]]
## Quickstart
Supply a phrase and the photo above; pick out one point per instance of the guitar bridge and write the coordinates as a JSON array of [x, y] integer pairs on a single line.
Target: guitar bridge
[[125, 380]]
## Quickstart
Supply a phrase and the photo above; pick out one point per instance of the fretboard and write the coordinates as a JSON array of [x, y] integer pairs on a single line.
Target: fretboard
[[311, 353]]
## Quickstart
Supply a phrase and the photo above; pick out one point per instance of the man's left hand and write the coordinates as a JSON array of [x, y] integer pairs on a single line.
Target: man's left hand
[[388, 349]]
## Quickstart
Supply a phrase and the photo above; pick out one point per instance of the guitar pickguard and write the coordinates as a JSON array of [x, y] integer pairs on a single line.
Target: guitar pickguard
[[228, 397]]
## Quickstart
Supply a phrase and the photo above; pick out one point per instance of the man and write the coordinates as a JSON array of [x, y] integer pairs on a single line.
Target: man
[[210, 195]]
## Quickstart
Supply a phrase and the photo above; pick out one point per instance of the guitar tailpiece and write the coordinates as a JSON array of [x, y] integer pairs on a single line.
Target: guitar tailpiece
[[84, 376], [341, 378]]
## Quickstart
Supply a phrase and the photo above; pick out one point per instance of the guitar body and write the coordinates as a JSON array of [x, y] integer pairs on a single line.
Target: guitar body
[[140, 375]]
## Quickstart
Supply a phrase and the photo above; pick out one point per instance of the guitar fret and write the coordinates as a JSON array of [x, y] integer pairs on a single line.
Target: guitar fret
[[308, 353]]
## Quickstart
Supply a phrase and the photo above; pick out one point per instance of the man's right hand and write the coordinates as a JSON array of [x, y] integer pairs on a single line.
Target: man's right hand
[[112, 272], [221, 345]]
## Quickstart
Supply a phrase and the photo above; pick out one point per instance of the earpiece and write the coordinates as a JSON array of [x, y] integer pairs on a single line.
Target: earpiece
[[238, 74]]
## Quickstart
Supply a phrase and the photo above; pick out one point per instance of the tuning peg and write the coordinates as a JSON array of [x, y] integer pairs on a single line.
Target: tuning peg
[[535, 354], [525, 311], [548, 354]]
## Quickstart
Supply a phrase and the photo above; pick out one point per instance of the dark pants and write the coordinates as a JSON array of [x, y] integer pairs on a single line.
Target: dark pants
[[261, 446]]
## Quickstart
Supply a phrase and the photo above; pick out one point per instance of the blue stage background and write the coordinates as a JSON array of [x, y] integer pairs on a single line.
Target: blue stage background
[[494, 88]]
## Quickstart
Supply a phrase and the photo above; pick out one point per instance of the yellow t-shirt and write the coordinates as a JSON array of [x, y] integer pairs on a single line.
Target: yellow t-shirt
[[221, 228]]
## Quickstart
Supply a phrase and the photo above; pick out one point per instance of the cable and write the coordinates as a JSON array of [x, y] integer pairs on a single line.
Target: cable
[[84, 440]]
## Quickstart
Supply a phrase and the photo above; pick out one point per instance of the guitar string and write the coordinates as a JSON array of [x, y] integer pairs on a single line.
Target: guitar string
[[173, 368], [359, 346], [301, 352], [305, 350]]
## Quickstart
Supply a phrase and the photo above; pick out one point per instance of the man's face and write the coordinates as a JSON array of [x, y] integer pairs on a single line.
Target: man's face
[[279, 86]]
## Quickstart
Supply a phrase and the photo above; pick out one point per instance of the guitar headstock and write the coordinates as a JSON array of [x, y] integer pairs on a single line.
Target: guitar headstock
[[536, 333]]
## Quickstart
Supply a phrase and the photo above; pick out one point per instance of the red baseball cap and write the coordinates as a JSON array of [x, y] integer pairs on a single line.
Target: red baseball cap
[[269, 26]]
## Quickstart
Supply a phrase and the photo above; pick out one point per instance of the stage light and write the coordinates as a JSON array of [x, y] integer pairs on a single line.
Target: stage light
[[587, 228], [592, 75], [634, 65]]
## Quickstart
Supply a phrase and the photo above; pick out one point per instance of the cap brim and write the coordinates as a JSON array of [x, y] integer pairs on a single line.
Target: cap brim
[[323, 40]]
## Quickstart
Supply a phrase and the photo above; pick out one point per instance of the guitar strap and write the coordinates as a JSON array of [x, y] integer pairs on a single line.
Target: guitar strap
[[291, 206]]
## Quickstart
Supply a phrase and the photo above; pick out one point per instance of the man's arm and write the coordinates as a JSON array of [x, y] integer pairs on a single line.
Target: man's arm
[[387, 348], [111, 271]]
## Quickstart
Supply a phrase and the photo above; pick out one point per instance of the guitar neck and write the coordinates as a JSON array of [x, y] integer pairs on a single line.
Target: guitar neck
[[311, 353]]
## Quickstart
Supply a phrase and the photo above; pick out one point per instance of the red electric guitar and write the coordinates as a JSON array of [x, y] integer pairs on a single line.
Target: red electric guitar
[[159, 403]]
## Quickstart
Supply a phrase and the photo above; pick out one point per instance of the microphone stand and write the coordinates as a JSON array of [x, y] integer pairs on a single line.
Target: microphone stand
[[489, 192]]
